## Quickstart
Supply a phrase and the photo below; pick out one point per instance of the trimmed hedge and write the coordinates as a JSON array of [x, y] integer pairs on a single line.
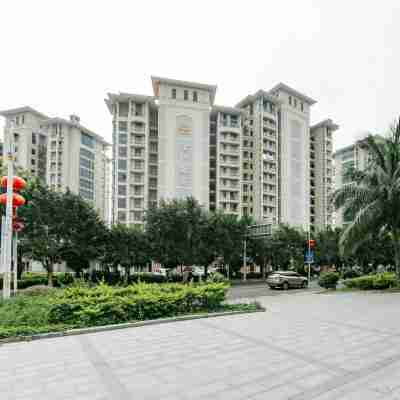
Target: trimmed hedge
[[102, 305], [29, 279], [382, 281], [328, 280]]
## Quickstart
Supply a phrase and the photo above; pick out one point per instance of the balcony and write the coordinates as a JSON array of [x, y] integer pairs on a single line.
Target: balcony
[[225, 138]]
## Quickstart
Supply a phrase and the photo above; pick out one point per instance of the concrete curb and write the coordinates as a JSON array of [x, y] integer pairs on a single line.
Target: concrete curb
[[105, 328]]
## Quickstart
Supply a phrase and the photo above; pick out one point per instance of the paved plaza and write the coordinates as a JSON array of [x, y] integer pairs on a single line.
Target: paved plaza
[[306, 346]]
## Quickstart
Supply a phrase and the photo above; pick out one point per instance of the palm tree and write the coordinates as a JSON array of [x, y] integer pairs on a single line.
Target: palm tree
[[373, 196]]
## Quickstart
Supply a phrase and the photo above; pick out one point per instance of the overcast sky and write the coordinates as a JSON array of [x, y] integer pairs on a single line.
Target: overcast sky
[[62, 57]]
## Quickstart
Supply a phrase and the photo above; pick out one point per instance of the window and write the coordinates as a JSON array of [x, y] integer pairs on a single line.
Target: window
[[33, 162], [290, 100], [174, 93], [121, 202], [86, 173], [302, 107], [121, 216], [83, 183], [87, 154], [122, 177], [195, 97], [295, 102], [123, 138], [122, 126], [22, 119], [87, 140], [86, 194], [122, 151], [185, 95], [33, 138], [139, 109], [122, 164], [33, 152], [86, 163], [121, 190]]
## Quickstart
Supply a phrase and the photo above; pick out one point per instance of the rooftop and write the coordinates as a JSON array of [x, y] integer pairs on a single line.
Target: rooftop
[[285, 88], [121, 96], [227, 110], [24, 109], [58, 120], [326, 122], [156, 80], [260, 93]]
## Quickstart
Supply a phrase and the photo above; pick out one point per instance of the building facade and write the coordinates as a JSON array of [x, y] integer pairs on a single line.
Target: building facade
[[255, 159], [61, 153], [321, 174], [346, 160]]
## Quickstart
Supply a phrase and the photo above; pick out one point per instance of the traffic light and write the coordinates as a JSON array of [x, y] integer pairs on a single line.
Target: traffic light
[[310, 244]]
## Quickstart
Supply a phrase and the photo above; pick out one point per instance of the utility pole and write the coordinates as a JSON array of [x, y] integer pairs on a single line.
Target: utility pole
[[309, 255], [7, 238], [244, 259]]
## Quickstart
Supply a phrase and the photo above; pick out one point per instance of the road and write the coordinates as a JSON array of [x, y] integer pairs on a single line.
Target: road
[[256, 290], [339, 346]]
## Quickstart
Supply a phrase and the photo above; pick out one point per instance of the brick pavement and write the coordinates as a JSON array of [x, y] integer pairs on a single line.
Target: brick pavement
[[306, 346]]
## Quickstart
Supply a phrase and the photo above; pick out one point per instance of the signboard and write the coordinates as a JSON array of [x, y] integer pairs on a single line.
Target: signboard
[[259, 230], [309, 257]]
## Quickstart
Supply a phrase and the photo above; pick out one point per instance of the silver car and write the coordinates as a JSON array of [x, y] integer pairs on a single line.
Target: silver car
[[286, 280]]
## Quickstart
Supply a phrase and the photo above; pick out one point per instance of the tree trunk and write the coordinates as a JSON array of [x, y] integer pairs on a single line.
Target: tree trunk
[[396, 239], [264, 268], [50, 268]]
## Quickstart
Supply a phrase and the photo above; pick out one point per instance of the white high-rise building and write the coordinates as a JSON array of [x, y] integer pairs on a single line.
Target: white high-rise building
[[253, 159], [347, 159], [62, 153]]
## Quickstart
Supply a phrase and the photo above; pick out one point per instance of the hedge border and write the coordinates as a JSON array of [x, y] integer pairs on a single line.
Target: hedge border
[[105, 328]]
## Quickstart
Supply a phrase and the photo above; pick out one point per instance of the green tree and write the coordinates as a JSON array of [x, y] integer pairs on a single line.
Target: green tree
[[374, 196], [175, 230], [58, 227], [287, 247], [127, 247], [327, 247]]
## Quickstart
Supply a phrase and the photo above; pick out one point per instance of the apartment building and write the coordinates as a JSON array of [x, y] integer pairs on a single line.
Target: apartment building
[[251, 159], [346, 160], [61, 153], [321, 174]]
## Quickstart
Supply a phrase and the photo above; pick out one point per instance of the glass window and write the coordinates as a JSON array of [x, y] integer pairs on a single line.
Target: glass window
[[33, 152], [185, 94], [33, 162], [195, 97], [139, 109], [122, 151], [87, 140], [290, 100], [301, 106], [122, 177], [123, 138], [121, 202], [295, 102], [122, 126], [121, 216], [174, 93], [122, 164], [86, 194], [86, 173], [121, 190], [86, 163], [33, 138], [86, 184], [87, 154]]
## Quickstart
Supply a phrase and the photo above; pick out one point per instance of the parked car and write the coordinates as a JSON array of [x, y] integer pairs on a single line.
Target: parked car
[[286, 280]]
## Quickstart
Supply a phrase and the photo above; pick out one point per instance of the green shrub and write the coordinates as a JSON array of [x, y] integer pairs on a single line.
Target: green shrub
[[350, 273], [382, 281], [147, 277], [328, 280], [103, 304], [216, 277]]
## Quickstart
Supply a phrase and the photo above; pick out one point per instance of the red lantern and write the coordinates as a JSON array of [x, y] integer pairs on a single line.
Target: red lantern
[[17, 226], [17, 200], [18, 183]]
